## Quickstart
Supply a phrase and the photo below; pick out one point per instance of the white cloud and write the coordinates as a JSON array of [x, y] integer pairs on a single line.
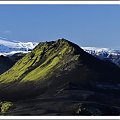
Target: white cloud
[[6, 32]]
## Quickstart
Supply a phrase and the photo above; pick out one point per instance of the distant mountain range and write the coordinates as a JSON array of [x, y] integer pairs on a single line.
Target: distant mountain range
[[8, 47], [60, 78], [104, 54]]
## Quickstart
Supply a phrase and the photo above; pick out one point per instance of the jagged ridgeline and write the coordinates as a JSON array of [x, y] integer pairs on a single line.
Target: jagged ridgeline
[[39, 65], [54, 64], [41, 62]]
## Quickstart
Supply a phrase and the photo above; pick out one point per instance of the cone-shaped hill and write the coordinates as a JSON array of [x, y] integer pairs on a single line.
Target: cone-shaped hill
[[52, 65]]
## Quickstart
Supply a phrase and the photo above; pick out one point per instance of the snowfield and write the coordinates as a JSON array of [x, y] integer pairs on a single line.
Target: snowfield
[[104, 54], [12, 47]]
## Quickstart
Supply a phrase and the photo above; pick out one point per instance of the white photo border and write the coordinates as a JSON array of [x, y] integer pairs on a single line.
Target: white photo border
[[60, 3]]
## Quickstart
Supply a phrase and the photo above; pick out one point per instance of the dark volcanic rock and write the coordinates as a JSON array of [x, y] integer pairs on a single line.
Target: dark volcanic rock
[[5, 64]]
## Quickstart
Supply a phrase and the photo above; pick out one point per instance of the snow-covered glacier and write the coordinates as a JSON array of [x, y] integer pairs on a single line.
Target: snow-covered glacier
[[10, 47], [104, 54]]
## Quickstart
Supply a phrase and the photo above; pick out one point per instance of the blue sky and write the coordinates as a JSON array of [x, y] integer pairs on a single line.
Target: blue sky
[[86, 25]]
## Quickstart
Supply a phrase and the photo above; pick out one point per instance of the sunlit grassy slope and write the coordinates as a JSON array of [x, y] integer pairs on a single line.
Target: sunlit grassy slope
[[52, 65], [40, 63]]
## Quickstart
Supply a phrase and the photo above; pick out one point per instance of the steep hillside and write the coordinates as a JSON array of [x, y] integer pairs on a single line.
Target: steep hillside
[[54, 64], [43, 60], [60, 78], [5, 64], [17, 56]]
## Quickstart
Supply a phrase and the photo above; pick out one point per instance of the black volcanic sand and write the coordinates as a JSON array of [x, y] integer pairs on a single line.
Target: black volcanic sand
[[68, 101]]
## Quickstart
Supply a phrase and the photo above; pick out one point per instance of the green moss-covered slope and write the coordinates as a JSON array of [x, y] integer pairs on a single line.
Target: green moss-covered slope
[[40, 63], [59, 77], [52, 65]]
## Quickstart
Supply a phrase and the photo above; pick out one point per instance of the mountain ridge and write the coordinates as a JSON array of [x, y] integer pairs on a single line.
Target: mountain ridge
[[60, 78], [55, 63]]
